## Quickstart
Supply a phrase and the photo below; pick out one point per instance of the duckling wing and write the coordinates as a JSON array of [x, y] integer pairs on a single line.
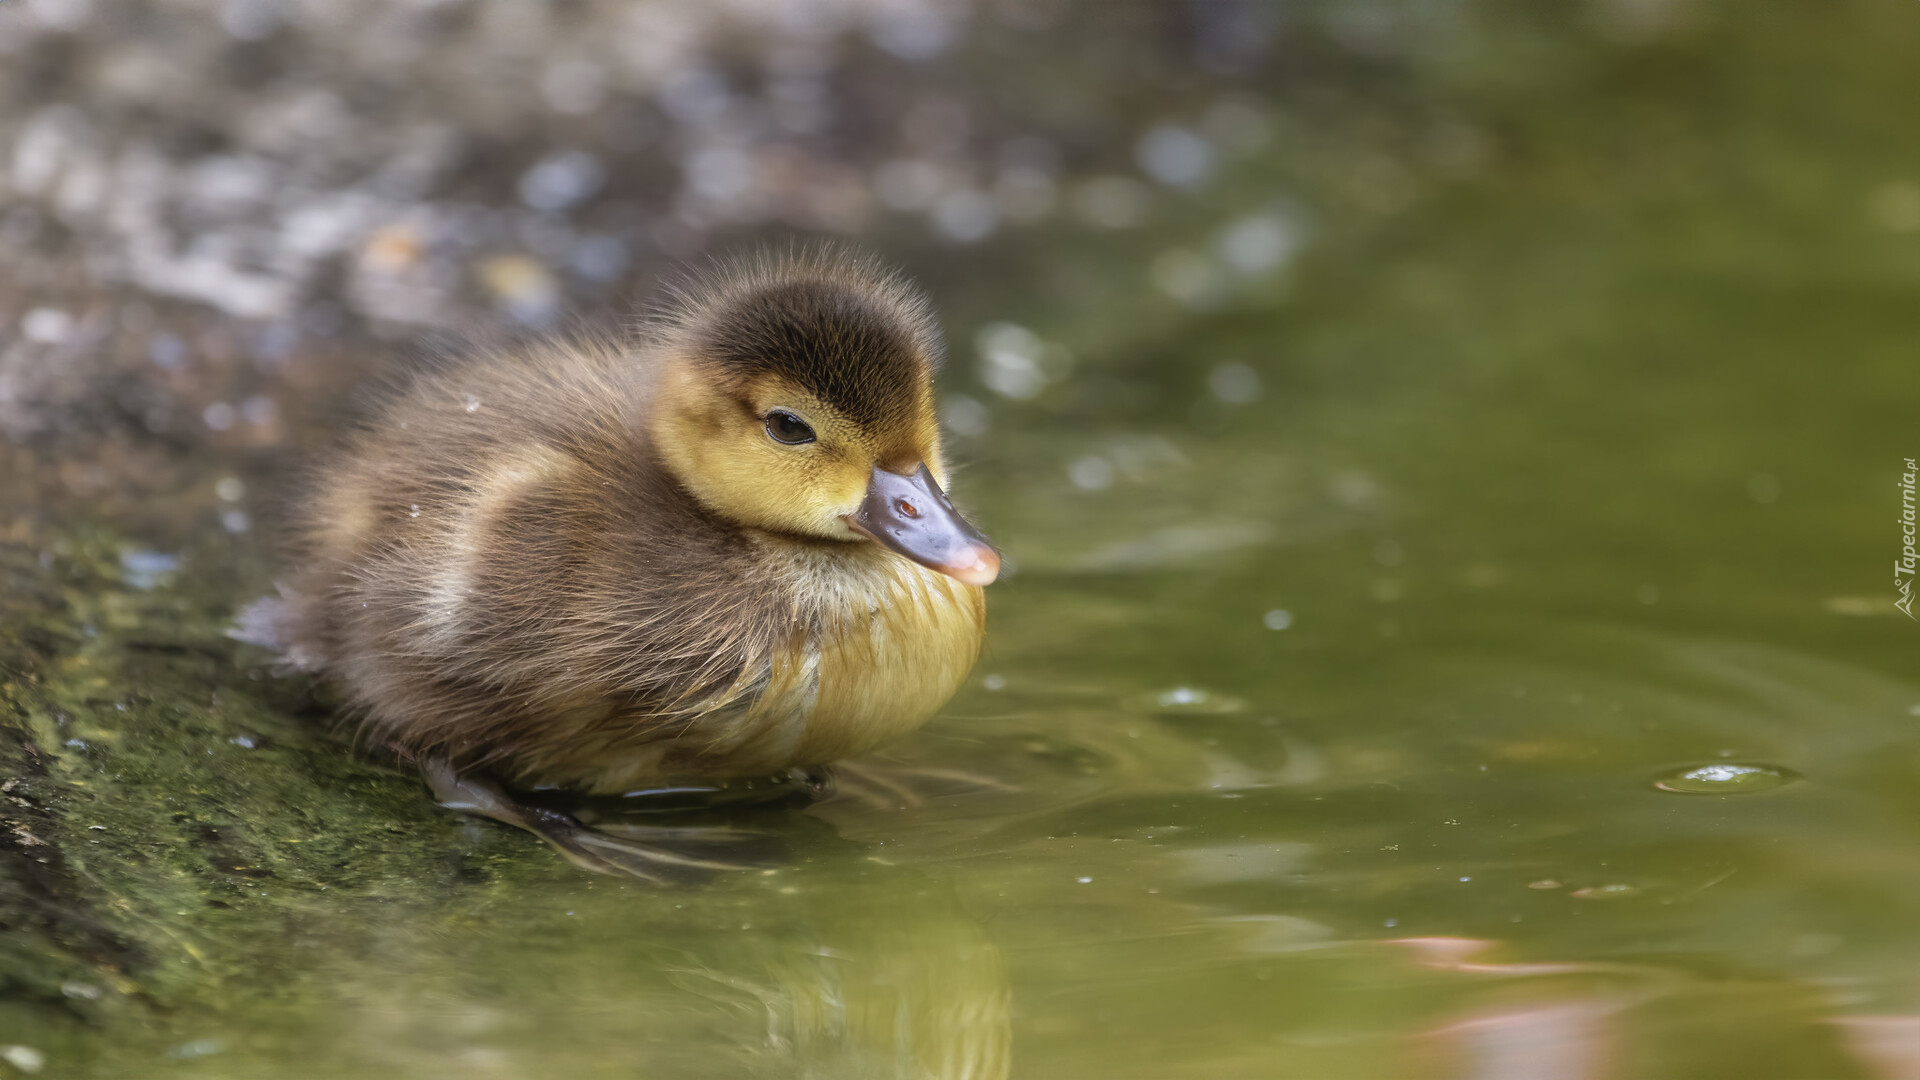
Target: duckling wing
[[518, 581]]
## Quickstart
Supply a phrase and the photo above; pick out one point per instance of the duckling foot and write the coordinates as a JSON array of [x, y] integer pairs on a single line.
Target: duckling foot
[[660, 854], [889, 786]]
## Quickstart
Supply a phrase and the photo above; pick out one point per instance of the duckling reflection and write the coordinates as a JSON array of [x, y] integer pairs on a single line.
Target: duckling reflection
[[884, 989], [842, 970], [723, 551]]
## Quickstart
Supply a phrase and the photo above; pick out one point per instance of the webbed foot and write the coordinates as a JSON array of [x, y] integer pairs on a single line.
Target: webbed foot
[[656, 853], [886, 785]]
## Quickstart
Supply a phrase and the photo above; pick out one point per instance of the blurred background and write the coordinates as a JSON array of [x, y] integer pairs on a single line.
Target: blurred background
[[1448, 456]]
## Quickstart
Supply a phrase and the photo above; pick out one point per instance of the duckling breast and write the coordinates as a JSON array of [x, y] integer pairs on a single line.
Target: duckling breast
[[888, 642]]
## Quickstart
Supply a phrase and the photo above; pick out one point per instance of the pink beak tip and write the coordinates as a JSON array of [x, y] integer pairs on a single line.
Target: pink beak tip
[[984, 568]]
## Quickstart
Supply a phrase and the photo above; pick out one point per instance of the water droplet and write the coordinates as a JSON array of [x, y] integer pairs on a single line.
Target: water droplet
[[413, 510], [1277, 619], [994, 682], [473, 403], [1084, 880], [1725, 778]]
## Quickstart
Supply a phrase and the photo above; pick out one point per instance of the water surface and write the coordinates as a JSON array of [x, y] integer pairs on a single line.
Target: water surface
[[1394, 637]]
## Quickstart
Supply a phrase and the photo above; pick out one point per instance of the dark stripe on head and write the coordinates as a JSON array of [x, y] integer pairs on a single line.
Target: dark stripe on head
[[842, 329]]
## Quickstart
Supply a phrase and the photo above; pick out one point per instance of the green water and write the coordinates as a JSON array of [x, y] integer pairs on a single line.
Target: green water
[[1555, 481]]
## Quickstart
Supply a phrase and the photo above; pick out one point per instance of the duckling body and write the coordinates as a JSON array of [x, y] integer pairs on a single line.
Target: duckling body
[[720, 551]]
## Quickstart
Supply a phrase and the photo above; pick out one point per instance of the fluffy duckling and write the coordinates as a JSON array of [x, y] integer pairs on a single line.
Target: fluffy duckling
[[724, 550]]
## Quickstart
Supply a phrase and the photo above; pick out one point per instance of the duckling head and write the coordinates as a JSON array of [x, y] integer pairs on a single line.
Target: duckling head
[[796, 397]]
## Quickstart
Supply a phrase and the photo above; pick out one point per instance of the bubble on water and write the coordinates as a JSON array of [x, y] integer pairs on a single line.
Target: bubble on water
[[220, 416], [994, 682], [413, 511], [1543, 883], [1277, 619], [473, 403], [1190, 701], [1611, 891], [1725, 778], [229, 489]]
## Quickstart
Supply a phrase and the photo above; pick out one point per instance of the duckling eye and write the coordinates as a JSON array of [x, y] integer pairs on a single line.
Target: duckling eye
[[784, 427]]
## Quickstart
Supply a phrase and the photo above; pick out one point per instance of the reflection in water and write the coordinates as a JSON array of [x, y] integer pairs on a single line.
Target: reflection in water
[[1888, 1046], [1566, 1040], [881, 976], [907, 987]]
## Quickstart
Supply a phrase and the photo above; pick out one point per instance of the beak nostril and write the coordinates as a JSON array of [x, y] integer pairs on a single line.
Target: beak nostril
[[908, 509]]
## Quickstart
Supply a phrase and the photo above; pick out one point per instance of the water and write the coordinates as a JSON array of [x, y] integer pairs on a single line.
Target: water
[[1383, 624]]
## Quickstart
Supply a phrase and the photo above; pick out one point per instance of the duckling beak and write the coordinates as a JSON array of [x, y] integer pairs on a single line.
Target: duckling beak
[[911, 515]]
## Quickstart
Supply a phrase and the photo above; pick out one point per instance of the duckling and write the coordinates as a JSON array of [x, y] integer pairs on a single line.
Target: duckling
[[721, 550]]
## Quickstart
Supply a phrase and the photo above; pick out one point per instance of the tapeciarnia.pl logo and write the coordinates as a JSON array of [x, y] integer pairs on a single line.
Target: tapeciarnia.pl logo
[[1903, 566]]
